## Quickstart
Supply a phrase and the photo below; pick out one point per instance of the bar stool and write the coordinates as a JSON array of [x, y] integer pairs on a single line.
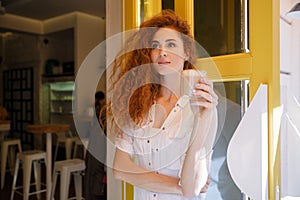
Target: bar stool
[[65, 168], [28, 158], [83, 142], [65, 139], [5, 146]]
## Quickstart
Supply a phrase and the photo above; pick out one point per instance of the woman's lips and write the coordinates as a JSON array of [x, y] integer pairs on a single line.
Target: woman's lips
[[163, 62]]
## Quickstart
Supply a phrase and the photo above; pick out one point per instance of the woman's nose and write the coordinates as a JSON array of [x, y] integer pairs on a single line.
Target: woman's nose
[[162, 52]]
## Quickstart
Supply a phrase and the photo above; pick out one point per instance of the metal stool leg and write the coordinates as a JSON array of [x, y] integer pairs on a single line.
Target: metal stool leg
[[78, 185], [8, 147], [15, 179], [4, 150], [68, 147], [54, 179], [56, 150], [64, 184], [26, 178], [11, 158], [37, 177]]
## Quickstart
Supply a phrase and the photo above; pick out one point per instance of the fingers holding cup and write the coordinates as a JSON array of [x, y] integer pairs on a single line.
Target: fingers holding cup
[[203, 94], [199, 89]]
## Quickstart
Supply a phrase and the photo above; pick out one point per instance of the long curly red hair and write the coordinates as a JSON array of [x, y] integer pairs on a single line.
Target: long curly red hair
[[131, 99]]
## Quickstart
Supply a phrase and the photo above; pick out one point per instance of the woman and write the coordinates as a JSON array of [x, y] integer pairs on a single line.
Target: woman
[[161, 143]]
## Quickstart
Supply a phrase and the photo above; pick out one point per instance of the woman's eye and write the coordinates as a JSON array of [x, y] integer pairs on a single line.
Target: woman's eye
[[171, 45], [155, 46]]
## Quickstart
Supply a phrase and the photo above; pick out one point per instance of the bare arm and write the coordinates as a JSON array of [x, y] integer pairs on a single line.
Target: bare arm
[[195, 167], [128, 171]]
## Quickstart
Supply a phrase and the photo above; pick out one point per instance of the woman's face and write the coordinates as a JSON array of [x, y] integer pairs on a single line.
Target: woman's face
[[168, 53]]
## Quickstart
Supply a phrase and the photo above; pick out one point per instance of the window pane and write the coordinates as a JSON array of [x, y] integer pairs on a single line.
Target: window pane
[[220, 26], [167, 4], [235, 100], [148, 7]]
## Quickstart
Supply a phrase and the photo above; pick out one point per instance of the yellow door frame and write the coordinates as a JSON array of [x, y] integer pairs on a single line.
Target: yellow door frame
[[264, 38], [260, 65]]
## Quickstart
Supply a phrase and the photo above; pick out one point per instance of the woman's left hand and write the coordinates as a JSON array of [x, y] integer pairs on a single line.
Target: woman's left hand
[[205, 188]]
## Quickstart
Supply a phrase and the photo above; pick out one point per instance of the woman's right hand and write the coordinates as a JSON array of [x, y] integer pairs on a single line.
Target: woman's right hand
[[204, 99]]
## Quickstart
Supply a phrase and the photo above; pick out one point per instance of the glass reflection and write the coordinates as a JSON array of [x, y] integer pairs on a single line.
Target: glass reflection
[[168, 4], [220, 26], [147, 5], [222, 187]]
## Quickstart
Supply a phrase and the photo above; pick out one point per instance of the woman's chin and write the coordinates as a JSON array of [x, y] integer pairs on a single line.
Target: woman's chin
[[166, 70]]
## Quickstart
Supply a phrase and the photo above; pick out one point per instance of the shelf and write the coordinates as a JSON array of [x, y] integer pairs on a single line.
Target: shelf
[[58, 77], [61, 113], [62, 90], [62, 100]]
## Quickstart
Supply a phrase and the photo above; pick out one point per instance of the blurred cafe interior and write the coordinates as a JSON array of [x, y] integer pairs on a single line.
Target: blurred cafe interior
[[43, 44]]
